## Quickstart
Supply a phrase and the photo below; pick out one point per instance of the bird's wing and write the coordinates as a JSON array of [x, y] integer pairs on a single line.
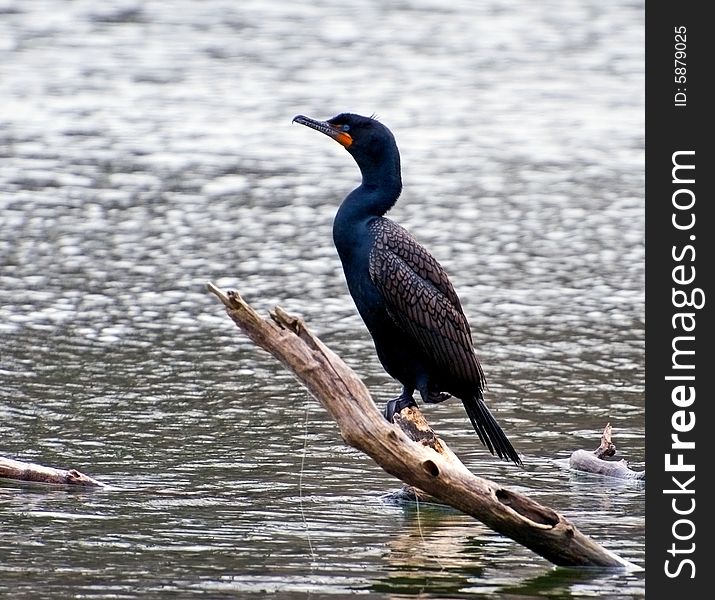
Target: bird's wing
[[389, 236], [422, 301]]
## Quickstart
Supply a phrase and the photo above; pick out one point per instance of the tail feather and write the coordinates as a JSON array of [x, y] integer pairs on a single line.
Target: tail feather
[[489, 431]]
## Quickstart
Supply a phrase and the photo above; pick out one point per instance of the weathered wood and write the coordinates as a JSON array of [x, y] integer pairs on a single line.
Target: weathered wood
[[606, 448], [30, 472], [596, 462], [413, 423], [439, 474], [587, 462]]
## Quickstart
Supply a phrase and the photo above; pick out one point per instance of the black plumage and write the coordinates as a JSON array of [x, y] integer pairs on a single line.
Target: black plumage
[[402, 293]]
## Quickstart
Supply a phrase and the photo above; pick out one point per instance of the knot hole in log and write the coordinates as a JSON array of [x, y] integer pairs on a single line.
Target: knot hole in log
[[431, 468]]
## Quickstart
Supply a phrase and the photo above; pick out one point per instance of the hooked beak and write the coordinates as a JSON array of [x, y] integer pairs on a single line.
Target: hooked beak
[[332, 131]]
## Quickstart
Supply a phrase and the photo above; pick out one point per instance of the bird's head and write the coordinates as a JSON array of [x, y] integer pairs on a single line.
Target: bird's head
[[368, 140]]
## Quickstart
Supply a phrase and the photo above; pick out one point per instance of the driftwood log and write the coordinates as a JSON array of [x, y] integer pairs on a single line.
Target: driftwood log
[[598, 462], [17, 470], [420, 459]]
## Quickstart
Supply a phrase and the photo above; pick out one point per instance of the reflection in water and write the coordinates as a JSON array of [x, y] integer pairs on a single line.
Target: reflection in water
[[431, 552], [560, 582], [442, 552], [146, 148]]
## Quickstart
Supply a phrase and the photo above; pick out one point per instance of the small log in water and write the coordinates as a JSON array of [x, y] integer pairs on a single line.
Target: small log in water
[[597, 461], [17, 470], [419, 458]]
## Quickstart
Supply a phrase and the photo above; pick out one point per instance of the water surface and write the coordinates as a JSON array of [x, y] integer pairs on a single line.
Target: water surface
[[147, 148]]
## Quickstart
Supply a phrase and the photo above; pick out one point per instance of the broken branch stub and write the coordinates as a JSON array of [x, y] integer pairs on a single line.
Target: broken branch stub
[[597, 462]]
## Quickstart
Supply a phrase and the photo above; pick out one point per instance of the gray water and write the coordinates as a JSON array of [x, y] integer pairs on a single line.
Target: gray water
[[147, 148]]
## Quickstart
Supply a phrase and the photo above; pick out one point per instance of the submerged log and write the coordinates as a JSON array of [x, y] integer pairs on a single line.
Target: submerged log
[[419, 463], [17, 470], [597, 462]]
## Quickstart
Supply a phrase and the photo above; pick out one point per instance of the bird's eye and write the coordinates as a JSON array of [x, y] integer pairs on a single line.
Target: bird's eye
[[345, 127]]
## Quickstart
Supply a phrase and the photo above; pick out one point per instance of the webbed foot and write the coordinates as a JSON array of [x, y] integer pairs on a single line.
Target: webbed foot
[[435, 397], [395, 405]]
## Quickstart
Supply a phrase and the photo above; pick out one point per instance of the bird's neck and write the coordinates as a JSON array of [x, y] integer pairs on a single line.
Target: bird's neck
[[380, 188]]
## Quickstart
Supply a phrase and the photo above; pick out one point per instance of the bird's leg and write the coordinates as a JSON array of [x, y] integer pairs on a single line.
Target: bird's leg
[[395, 405]]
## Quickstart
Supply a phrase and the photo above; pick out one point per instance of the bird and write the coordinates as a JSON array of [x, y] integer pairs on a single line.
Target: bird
[[402, 293]]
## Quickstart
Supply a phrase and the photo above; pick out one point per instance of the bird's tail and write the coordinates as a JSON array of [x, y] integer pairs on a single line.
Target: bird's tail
[[489, 431]]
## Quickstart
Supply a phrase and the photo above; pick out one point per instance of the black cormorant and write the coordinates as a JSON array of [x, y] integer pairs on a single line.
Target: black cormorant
[[403, 295]]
